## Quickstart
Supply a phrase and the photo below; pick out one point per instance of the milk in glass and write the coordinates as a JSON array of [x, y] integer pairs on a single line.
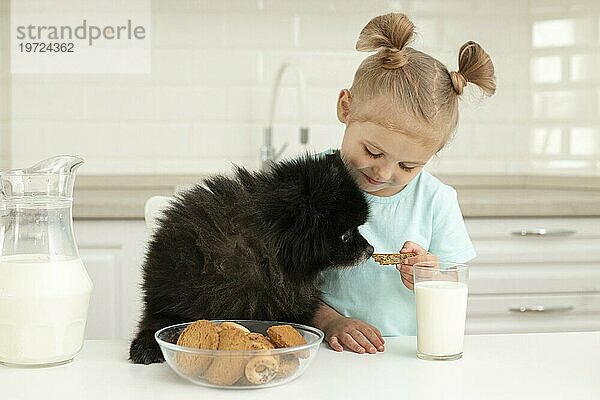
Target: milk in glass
[[441, 312]]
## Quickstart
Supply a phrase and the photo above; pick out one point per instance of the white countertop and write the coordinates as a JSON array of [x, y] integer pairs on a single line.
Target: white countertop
[[524, 366], [123, 197]]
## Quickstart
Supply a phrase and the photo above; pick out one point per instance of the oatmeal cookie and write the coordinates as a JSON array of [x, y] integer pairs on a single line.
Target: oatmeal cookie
[[286, 336], [228, 368], [229, 325], [391, 258], [198, 335]]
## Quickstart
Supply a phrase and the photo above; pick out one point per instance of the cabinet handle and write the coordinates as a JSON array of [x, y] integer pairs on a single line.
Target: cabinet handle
[[543, 232], [538, 309]]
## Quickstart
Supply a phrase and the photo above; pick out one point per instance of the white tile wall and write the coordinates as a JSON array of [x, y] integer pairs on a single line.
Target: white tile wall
[[584, 68], [5, 145], [205, 103], [48, 101]]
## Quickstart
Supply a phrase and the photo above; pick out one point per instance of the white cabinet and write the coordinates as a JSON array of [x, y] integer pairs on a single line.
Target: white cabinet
[[534, 275], [112, 252], [533, 283]]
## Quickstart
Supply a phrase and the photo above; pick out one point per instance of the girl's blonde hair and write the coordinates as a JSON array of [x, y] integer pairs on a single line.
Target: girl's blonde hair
[[399, 80]]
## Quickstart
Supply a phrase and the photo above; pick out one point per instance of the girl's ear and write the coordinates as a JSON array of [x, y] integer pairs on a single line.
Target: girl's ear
[[343, 105]]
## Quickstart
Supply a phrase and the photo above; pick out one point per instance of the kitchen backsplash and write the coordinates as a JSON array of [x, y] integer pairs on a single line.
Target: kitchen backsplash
[[5, 146], [205, 103]]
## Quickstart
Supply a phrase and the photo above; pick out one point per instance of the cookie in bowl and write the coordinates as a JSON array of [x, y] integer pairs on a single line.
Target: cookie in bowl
[[263, 354]]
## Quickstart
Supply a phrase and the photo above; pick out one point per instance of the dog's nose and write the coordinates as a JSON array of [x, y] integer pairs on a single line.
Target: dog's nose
[[370, 250]]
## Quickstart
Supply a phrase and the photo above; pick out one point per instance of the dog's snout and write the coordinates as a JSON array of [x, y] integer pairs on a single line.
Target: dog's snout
[[370, 250]]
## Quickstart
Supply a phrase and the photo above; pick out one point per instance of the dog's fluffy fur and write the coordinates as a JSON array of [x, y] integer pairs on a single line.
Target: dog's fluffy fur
[[251, 247]]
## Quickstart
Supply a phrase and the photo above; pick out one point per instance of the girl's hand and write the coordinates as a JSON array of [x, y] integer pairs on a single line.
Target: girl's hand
[[354, 335], [405, 269]]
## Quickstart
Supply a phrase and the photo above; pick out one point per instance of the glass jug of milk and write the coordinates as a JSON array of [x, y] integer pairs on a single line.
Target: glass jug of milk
[[44, 286]]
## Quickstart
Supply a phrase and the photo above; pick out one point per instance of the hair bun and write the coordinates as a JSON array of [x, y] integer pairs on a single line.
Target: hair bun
[[392, 31], [458, 81], [393, 58], [474, 66]]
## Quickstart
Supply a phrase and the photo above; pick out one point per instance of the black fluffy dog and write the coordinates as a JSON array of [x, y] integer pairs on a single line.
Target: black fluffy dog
[[251, 247]]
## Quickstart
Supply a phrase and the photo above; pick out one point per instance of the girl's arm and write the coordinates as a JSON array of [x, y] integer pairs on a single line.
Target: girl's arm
[[351, 333]]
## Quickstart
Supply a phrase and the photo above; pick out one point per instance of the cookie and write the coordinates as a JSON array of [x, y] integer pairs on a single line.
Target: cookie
[[229, 325], [288, 364], [286, 336], [391, 258], [226, 369], [243, 381], [201, 334], [259, 342], [261, 369]]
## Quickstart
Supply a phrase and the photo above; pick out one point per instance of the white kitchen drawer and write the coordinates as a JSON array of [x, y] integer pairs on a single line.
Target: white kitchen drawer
[[561, 313], [560, 263], [498, 227], [566, 240], [559, 270], [521, 277]]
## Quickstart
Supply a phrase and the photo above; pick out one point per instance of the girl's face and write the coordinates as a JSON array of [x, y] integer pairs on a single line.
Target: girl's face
[[384, 161]]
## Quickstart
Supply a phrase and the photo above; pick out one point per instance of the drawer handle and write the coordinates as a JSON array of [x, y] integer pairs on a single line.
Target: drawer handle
[[543, 232], [538, 309]]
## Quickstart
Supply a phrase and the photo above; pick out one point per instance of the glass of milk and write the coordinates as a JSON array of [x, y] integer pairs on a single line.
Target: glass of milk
[[441, 300], [44, 286]]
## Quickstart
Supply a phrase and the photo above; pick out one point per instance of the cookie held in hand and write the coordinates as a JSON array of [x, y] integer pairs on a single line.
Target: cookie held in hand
[[391, 258]]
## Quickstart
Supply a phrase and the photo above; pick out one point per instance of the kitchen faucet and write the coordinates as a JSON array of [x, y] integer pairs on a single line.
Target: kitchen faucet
[[268, 155]]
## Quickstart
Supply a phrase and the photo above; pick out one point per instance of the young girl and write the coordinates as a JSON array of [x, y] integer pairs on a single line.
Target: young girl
[[401, 110]]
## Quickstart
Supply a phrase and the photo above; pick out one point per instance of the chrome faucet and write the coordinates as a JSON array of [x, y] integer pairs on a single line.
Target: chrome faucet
[[268, 155]]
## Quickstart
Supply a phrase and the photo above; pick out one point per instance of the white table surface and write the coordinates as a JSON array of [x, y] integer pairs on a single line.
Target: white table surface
[[562, 366]]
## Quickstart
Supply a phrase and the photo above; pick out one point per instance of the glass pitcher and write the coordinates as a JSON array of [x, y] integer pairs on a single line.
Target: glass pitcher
[[44, 286]]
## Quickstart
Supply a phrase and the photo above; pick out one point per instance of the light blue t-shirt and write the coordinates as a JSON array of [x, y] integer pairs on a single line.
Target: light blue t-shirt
[[426, 212]]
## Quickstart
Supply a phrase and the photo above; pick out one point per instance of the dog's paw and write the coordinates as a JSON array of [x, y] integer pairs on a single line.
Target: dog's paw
[[143, 351]]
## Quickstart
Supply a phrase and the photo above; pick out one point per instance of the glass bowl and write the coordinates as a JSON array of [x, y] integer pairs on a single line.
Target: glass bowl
[[240, 369]]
